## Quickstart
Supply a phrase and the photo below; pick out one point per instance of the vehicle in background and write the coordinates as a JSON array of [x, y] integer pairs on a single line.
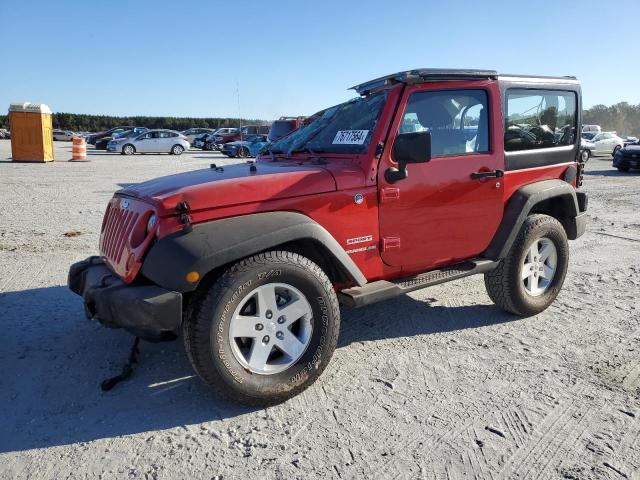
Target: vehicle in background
[[586, 149], [591, 128], [239, 134], [588, 135], [219, 137], [192, 133], [606, 143], [627, 158], [152, 141], [249, 146], [4, 133], [62, 135], [629, 140], [91, 139], [284, 126], [199, 141], [101, 144]]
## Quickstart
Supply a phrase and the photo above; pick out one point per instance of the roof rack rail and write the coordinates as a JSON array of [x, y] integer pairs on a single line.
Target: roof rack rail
[[422, 75]]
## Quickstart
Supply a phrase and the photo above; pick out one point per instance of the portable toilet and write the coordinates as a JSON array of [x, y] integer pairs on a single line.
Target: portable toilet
[[31, 132]]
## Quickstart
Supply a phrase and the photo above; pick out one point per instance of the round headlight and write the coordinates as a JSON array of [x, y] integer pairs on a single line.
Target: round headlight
[[151, 223]]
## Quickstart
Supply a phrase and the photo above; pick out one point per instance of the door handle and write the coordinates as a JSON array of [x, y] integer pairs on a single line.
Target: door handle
[[493, 174]]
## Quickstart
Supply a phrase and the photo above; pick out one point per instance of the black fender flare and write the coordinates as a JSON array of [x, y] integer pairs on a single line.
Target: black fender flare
[[220, 242], [523, 202]]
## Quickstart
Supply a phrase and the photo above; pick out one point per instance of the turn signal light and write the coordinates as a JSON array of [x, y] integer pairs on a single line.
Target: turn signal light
[[192, 277]]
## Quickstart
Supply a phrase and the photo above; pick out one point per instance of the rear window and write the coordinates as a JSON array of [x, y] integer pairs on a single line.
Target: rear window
[[539, 119]]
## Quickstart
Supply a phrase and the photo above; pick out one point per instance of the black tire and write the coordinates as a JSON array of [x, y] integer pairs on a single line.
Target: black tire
[[128, 151], [243, 152], [177, 150], [504, 284], [623, 169], [206, 328]]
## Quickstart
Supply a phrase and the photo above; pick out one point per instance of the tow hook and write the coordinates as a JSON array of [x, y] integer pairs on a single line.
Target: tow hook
[[185, 218]]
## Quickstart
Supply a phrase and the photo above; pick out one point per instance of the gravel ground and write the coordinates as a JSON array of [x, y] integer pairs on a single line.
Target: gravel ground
[[437, 384]]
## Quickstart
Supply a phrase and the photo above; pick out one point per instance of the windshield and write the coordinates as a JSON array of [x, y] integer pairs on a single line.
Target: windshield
[[345, 128], [280, 128], [589, 135]]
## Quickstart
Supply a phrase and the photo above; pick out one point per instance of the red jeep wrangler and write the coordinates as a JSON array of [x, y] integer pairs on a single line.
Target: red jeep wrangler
[[428, 176]]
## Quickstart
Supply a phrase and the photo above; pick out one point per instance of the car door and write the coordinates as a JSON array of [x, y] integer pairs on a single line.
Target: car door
[[145, 143], [165, 141], [439, 214]]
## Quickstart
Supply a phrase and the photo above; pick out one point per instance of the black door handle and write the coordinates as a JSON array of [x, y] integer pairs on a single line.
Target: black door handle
[[494, 174]]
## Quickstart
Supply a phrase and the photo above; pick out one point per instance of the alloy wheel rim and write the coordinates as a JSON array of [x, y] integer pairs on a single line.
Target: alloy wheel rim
[[539, 266], [271, 328]]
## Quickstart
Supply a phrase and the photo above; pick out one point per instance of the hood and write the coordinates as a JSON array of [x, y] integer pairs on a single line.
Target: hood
[[632, 149], [233, 185]]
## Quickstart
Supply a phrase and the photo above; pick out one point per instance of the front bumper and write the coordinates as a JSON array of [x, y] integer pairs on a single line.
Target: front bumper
[[626, 162], [147, 311]]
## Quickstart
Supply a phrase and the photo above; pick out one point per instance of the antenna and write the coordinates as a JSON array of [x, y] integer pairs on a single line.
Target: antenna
[[239, 113]]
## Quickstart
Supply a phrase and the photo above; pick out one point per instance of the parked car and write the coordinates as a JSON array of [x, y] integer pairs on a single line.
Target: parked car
[[607, 143], [591, 128], [199, 141], [101, 143], [586, 149], [219, 137], [284, 126], [4, 133], [91, 139], [192, 133], [250, 146], [627, 158], [629, 140], [152, 141], [251, 262], [62, 135]]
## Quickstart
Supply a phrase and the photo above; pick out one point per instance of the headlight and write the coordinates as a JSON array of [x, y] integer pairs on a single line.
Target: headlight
[[150, 223]]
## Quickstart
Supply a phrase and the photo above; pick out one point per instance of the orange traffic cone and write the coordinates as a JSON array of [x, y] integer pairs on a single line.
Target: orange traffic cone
[[79, 152]]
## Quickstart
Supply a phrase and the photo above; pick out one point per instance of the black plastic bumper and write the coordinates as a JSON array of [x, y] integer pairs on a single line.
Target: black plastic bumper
[[147, 311]]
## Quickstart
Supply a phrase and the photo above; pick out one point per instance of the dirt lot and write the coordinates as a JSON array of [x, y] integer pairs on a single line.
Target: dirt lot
[[438, 384]]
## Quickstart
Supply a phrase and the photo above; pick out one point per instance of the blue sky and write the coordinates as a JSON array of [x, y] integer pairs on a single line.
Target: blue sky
[[188, 58]]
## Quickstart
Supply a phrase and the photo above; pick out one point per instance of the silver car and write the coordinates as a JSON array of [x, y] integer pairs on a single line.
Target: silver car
[[151, 141]]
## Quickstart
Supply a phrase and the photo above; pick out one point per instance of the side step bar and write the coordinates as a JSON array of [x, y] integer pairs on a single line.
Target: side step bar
[[383, 290]]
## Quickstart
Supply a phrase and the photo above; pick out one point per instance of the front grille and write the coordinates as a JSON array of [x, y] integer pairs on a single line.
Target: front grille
[[117, 226]]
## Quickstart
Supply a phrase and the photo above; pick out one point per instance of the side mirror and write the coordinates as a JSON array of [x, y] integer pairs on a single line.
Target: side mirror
[[412, 147]]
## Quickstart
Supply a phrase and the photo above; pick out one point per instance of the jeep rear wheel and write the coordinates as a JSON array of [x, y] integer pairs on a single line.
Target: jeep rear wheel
[[529, 279], [265, 330]]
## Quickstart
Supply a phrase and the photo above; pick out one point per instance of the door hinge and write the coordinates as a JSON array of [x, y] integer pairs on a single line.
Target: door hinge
[[389, 194], [390, 243]]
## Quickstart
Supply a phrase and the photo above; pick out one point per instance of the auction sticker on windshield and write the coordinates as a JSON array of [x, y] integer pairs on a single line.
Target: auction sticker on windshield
[[350, 137]]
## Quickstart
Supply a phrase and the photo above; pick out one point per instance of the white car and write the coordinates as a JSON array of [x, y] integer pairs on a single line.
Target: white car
[[151, 141], [192, 133], [606, 143], [62, 135]]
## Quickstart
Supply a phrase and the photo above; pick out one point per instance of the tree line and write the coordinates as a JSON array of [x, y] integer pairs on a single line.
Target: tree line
[[622, 117], [78, 122]]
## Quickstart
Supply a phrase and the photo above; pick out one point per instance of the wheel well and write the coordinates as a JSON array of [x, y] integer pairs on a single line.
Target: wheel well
[[320, 255], [562, 208]]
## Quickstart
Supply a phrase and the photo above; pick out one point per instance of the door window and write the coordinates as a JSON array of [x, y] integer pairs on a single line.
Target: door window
[[457, 120], [539, 119]]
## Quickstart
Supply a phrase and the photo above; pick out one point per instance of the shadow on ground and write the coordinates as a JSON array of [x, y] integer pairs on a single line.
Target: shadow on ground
[[54, 359]]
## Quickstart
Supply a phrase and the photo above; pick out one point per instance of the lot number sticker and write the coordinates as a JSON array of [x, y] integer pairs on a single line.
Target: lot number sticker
[[350, 137]]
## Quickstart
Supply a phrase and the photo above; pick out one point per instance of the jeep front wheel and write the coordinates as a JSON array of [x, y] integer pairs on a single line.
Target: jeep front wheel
[[529, 279], [265, 330]]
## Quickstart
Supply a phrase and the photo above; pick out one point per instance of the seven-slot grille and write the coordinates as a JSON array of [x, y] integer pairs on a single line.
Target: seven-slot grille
[[118, 223]]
